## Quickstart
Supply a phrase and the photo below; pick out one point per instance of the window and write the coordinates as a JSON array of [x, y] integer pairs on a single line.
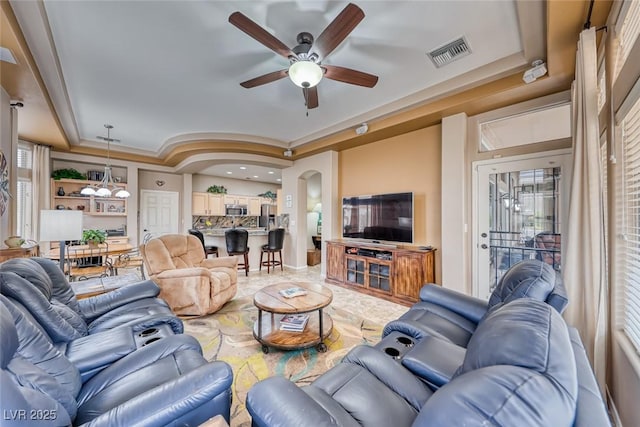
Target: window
[[629, 244], [627, 30], [23, 193]]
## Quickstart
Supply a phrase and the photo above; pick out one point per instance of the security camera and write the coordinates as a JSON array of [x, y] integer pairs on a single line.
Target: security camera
[[361, 130], [16, 103], [532, 74], [288, 153]]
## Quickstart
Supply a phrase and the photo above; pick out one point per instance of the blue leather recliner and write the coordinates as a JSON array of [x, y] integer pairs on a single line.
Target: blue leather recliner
[[454, 316], [67, 331], [167, 382], [121, 306], [522, 367]]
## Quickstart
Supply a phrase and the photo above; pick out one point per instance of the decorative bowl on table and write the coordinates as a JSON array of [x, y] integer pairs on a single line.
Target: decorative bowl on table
[[14, 241]]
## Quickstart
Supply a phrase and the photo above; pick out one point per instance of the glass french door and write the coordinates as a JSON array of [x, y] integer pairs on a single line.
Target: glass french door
[[520, 207]]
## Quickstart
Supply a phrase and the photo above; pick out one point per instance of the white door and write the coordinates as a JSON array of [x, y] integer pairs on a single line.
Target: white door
[[159, 213], [520, 206]]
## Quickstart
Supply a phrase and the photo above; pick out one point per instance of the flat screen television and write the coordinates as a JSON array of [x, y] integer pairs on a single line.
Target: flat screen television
[[380, 217]]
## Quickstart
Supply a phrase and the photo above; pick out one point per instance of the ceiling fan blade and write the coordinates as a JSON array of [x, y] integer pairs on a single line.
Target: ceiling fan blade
[[260, 34], [311, 97], [347, 75], [264, 79], [337, 30]]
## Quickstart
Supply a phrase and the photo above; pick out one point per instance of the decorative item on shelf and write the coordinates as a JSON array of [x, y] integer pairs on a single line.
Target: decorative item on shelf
[[61, 191], [80, 207], [159, 182], [106, 187], [217, 189], [94, 236], [68, 173], [60, 207], [14, 241], [269, 195]]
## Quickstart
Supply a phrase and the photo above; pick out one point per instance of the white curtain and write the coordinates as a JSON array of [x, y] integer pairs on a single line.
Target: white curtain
[[584, 271], [40, 187]]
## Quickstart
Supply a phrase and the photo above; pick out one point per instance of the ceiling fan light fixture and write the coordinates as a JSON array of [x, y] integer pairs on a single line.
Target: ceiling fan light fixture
[[305, 74]]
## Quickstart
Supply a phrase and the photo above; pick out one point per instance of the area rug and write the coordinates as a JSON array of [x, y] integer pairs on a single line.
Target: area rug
[[227, 335]]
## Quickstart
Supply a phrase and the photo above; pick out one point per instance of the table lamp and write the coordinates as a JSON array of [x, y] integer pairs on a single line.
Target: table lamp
[[61, 225]]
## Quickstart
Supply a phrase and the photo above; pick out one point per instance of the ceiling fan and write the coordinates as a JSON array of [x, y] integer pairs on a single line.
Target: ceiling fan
[[306, 68]]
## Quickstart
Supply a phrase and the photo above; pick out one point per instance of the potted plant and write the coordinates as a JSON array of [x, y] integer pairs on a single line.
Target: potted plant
[[94, 237], [69, 173], [217, 189]]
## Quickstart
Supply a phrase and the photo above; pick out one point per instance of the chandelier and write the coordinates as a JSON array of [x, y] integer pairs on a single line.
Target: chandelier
[[106, 187]]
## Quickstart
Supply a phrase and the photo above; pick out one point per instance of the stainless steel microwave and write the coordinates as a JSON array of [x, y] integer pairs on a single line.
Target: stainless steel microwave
[[236, 209]]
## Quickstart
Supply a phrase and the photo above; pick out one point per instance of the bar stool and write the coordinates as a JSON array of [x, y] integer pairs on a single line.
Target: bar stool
[[208, 250], [275, 243], [238, 244]]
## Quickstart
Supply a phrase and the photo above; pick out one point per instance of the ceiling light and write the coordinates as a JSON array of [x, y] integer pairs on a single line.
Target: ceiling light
[[278, 180], [106, 187], [229, 172], [271, 172], [255, 176], [243, 168], [305, 73]]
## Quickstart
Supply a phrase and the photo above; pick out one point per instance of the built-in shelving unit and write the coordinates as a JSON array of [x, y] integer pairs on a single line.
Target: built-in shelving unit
[[90, 205], [393, 273]]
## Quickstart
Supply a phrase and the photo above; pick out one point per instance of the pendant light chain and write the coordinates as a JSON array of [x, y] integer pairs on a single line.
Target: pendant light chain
[[106, 186]]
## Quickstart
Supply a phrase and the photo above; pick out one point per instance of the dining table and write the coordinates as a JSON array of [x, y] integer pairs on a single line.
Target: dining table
[[80, 251]]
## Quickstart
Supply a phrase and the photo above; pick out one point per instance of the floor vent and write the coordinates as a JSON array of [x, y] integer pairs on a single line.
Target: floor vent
[[450, 52]]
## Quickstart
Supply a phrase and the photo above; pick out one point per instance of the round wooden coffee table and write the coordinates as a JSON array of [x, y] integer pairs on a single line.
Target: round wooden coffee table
[[272, 306]]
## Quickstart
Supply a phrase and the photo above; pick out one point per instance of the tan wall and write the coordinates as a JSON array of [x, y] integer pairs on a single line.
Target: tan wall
[[409, 162], [239, 187], [147, 181]]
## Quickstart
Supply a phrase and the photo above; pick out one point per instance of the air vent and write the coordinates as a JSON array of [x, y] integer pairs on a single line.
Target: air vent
[[450, 52]]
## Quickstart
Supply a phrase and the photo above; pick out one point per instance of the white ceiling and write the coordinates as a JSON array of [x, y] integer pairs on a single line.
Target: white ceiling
[[245, 171], [168, 71]]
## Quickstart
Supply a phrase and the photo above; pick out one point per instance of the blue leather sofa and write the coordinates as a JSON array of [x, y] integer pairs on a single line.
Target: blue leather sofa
[[167, 382], [453, 360], [454, 316], [127, 304]]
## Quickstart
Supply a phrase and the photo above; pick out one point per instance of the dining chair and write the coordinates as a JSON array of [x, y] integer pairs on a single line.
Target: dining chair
[[85, 261]]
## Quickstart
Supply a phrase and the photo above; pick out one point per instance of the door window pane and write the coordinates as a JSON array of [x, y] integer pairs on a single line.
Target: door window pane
[[524, 219]]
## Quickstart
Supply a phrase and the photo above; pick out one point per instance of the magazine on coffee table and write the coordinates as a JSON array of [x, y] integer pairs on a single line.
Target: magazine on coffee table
[[294, 322], [293, 292]]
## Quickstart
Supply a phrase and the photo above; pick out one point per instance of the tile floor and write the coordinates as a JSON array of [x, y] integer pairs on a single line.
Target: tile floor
[[369, 307]]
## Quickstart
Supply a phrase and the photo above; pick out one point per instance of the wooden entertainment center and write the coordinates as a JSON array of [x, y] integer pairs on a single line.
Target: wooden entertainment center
[[389, 272]]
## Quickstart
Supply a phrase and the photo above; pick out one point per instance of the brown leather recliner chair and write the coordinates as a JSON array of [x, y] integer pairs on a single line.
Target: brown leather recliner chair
[[190, 283]]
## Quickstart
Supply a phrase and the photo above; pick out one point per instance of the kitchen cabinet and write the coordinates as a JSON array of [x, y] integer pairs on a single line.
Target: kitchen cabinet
[[254, 206], [230, 199], [207, 204]]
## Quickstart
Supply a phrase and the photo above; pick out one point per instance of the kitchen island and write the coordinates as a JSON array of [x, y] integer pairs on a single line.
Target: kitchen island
[[257, 238]]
